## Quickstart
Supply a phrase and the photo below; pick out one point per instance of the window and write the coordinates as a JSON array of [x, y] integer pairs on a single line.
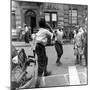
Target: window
[[51, 18], [47, 17], [72, 16], [54, 17]]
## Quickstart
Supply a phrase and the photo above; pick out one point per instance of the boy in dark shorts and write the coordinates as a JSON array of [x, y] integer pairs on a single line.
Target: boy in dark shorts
[[41, 41], [58, 45]]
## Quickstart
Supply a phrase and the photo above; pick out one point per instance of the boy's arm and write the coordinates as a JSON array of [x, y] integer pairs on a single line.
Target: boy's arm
[[50, 34]]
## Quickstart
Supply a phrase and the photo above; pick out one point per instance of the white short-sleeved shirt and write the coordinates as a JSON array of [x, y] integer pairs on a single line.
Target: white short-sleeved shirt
[[42, 36], [59, 35]]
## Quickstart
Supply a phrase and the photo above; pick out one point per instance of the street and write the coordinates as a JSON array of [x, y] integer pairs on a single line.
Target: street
[[33, 21], [67, 73]]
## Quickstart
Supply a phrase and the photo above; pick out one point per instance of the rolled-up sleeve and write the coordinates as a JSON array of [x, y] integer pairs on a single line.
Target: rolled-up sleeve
[[49, 33]]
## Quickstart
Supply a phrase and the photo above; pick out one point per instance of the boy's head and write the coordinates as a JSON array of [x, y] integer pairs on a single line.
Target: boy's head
[[42, 23], [30, 62], [30, 68]]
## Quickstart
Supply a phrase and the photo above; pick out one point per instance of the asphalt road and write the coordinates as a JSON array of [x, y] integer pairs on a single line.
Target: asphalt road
[[66, 74]]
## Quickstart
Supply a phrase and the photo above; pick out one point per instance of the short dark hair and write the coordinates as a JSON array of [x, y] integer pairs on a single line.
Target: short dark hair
[[42, 23], [25, 25], [30, 61], [27, 63]]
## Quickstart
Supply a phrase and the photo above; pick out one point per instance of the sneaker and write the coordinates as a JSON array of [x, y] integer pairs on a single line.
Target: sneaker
[[37, 84], [58, 63], [47, 73]]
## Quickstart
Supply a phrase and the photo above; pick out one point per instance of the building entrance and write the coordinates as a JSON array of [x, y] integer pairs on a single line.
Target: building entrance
[[30, 19]]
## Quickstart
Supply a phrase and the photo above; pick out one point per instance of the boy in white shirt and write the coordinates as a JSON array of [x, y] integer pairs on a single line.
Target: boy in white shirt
[[58, 45], [41, 41]]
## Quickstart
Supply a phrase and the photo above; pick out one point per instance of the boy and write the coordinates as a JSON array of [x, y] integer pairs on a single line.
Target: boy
[[58, 45], [20, 78], [41, 41]]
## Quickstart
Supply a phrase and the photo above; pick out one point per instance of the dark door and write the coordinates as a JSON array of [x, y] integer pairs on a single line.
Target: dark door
[[33, 23], [30, 19]]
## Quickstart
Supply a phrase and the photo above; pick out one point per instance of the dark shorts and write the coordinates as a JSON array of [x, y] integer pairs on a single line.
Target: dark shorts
[[59, 48], [42, 58]]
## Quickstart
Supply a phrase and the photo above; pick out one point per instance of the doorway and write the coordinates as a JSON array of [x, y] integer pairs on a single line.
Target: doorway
[[30, 19]]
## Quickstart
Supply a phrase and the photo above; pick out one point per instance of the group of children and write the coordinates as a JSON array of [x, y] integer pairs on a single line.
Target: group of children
[[41, 40]]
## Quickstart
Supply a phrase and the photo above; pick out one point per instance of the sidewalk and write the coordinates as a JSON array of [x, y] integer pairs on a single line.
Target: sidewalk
[[20, 44], [65, 79], [23, 44]]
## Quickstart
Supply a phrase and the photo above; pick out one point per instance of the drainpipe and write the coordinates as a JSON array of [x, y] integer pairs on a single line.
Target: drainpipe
[[71, 19]]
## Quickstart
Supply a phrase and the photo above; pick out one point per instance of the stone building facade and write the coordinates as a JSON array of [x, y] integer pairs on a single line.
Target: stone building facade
[[57, 15]]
